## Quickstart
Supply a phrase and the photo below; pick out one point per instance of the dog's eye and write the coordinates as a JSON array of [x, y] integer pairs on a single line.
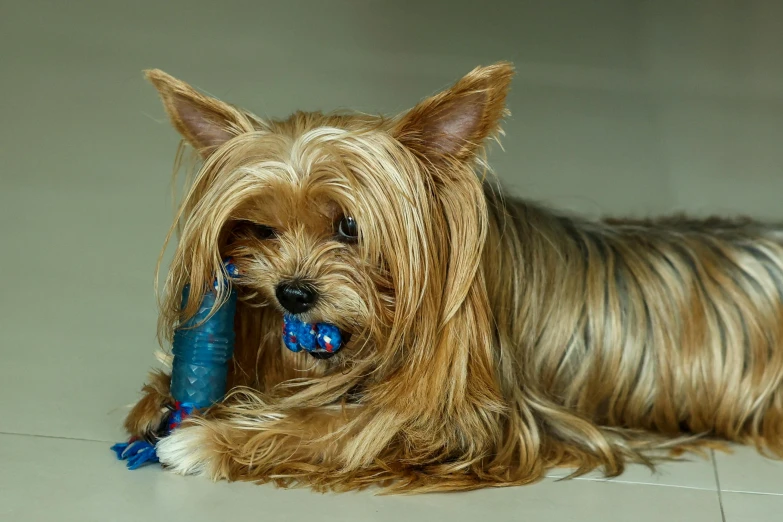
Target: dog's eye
[[262, 231], [347, 229]]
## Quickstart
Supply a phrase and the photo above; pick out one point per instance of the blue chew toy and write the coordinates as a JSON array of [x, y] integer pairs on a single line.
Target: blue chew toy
[[202, 349], [314, 338]]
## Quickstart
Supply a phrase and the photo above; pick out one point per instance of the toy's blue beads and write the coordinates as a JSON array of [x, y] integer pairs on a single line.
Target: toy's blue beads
[[329, 337], [306, 335], [231, 270], [298, 335], [291, 333]]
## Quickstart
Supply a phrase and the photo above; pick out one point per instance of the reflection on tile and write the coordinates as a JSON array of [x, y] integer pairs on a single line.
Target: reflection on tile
[[692, 472], [746, 470], [67, 480], [748, 507]]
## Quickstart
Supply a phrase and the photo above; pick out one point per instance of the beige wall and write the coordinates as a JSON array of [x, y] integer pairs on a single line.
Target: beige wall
[[619, 107]]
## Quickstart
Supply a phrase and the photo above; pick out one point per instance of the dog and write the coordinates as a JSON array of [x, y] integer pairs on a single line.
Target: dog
[[488, 339]]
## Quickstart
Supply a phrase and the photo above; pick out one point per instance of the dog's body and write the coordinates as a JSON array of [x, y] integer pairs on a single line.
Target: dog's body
[[490, 339]]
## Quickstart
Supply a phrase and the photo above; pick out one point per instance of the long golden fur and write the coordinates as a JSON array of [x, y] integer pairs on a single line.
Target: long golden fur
[[491, 339]]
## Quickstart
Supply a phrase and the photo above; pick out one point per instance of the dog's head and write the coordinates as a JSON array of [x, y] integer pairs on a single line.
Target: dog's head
[[373, 224]]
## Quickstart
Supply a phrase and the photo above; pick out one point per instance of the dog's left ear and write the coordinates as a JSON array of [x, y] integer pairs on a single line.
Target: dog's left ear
[[455, 123], [205, 122]]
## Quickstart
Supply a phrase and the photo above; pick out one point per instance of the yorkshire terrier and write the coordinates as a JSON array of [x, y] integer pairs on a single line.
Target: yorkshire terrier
[[488, 339]]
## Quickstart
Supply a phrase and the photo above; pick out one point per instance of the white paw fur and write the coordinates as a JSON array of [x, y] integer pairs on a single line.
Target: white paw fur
[[187, 451]]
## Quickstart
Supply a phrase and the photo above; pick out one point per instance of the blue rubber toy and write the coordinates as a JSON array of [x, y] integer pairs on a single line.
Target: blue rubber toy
[[202, 349], [298, 336]]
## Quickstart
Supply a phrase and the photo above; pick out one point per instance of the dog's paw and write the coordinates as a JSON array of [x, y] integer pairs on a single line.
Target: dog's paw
[[190, 450], [148, 417]]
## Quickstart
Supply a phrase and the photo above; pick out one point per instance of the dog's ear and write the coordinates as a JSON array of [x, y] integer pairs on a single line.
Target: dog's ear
[[205, 122], [455, 123]]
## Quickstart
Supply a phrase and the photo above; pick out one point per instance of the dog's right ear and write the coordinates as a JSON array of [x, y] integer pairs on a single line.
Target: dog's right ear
[[205, 122], [455, 123]]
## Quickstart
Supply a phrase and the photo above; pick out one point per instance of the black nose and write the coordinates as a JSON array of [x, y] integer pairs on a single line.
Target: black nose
[[297, 298]]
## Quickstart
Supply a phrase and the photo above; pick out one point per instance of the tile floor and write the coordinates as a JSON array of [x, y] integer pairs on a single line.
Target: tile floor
[[619, 107]]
